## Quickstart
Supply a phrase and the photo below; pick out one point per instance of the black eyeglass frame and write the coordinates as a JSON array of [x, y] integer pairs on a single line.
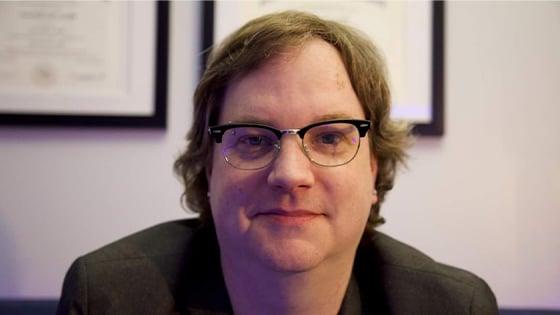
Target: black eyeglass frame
[[217, 132]]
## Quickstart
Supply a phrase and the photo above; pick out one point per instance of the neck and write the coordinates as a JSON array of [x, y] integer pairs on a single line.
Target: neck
[[255, 289]]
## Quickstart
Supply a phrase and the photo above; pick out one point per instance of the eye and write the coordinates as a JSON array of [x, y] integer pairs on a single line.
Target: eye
[[254, 140], [252, 147], [328, 138]]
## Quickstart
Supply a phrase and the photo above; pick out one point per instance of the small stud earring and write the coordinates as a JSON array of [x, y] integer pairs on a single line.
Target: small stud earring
[[374, 192]]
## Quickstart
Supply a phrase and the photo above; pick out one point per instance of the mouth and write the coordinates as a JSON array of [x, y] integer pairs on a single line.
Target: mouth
[[290, 217]]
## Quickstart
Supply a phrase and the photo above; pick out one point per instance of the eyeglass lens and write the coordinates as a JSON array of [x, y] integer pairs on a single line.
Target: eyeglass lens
[[255, 147]]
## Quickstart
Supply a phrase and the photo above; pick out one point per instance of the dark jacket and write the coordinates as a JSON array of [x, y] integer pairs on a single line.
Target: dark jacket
[[174, 268]]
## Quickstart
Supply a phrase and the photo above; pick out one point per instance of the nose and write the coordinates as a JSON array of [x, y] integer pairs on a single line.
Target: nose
[[291, 170]]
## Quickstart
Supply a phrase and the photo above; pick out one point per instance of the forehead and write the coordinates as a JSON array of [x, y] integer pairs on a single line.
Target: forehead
[[298, 86]]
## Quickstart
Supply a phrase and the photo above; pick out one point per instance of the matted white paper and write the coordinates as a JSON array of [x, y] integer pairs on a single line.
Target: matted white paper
[[77, 57]]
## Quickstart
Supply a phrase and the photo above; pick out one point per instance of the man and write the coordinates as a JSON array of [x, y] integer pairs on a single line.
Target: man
[[290, 155]]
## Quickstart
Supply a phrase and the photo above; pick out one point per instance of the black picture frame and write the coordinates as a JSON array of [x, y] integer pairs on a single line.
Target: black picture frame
[[436, 125], [157, 119]]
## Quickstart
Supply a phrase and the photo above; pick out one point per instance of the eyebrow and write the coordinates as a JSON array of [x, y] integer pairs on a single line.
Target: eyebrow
[[250, 119], [255, 120], [335, 116]]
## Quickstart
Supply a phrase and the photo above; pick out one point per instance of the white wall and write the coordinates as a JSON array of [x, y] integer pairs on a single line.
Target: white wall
[[484, 197], [65, 192], [487, 196]]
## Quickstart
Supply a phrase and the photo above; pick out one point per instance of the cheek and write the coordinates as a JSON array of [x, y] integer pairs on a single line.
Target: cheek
[[219, 187], [354, 189], [230, 195], [349, 199]]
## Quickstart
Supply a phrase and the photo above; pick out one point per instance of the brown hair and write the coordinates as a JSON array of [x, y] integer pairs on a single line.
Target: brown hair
[[262, 39]]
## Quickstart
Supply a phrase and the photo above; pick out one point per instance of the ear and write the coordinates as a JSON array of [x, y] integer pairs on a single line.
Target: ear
[[373, 165]]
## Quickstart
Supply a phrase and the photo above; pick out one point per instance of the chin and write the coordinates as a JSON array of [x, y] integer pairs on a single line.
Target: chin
[[290, 256]]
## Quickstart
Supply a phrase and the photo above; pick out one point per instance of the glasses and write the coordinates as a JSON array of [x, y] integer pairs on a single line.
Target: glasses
[[254, 146]]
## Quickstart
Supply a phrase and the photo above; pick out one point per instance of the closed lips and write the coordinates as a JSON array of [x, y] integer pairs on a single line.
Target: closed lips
[[289, 213]]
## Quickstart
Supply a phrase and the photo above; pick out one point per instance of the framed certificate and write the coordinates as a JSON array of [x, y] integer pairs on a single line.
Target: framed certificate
[[409, 34], [84, 63]]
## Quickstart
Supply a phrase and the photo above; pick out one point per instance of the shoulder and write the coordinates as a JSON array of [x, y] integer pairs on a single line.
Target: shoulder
[[413, 282], [136, 274], [165, 239]]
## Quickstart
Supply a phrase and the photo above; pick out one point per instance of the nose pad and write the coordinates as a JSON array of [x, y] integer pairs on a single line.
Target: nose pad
[[305, 150], [298, 147], [291, 168]]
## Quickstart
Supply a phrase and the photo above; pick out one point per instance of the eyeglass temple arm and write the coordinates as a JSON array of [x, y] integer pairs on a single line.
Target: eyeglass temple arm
[[217, 134], [363, 127]]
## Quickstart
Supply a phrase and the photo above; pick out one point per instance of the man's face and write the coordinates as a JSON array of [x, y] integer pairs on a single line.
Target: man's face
[[292, 215]]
